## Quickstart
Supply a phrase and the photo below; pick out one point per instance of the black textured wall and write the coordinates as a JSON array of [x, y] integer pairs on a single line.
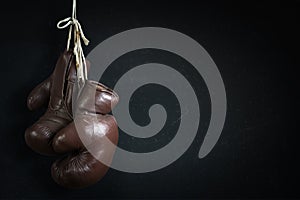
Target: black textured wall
[[255, 45]]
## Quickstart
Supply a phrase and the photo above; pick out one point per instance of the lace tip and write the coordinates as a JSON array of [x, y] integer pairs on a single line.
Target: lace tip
[[86, 42]]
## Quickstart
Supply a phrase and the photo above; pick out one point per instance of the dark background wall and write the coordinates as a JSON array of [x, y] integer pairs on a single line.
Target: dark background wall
[[255, 45]]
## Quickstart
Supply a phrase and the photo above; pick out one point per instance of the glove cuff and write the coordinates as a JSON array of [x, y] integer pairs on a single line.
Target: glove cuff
[[96, 98]]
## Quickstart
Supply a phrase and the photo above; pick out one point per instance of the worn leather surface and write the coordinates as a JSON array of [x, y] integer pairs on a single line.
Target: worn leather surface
[[60, 133], [93, 123], [58, 115]]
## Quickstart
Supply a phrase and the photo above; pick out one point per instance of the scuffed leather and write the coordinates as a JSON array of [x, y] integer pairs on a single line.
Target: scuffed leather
[[40, 95], [82, 169], [55, 133], [58, 115]]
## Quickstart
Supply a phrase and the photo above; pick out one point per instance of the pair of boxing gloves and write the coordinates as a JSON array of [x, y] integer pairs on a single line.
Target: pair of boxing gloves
[[56, 132]]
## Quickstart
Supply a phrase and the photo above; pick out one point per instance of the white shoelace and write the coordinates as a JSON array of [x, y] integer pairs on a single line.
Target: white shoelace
[[78, 35]]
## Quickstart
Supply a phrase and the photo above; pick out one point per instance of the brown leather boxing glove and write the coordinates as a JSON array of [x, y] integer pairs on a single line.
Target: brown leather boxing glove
[[94, 126], [56, 132], [57, 90]]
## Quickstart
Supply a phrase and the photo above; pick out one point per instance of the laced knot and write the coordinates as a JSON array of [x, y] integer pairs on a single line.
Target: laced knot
[[75, 26]]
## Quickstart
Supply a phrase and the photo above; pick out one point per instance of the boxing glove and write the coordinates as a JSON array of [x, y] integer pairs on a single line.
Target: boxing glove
[[57, 92], [91, 137]]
